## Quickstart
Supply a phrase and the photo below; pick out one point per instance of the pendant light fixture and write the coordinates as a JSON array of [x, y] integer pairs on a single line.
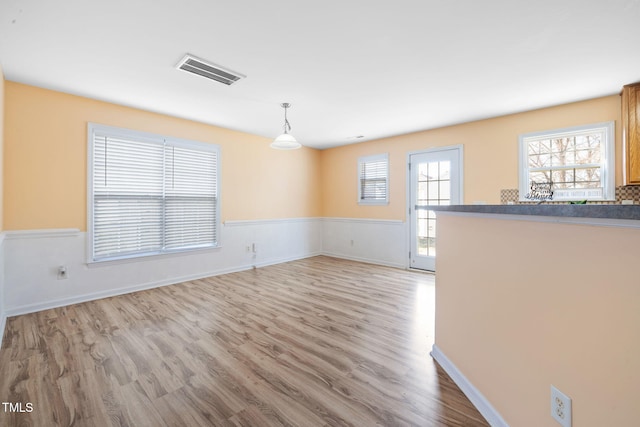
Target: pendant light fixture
[[286, 141]]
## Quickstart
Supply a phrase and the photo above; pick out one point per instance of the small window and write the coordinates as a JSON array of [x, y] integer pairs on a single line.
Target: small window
[[150, 194], [573, 164], [373, 180]]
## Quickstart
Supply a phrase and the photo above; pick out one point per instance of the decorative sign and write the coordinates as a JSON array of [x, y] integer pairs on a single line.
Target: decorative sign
[[540, 191]]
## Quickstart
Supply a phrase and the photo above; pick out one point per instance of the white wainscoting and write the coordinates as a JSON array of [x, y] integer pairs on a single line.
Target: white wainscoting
[[29, 260], [3, 317], [368, 240], [32, 258]]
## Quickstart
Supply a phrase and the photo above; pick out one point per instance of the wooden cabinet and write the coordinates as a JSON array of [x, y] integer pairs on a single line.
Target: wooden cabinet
[[631, 133]]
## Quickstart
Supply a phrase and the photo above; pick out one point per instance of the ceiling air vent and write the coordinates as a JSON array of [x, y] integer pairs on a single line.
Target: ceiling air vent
[[209, 70]]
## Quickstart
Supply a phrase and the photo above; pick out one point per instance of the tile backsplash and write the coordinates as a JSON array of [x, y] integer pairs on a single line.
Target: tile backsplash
[[630, 192]]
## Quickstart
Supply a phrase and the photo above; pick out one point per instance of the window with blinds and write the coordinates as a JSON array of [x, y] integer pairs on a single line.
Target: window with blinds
[[373, 180], [149, 194]]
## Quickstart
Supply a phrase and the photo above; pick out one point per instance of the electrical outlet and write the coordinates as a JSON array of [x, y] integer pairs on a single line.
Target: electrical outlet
[[62, 273], [560, 407]]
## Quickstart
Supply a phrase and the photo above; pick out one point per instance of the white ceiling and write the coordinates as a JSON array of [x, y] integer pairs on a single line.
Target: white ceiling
[[350, 67]]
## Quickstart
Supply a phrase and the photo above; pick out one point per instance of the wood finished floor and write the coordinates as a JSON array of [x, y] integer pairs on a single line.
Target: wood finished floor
[[315, 342]]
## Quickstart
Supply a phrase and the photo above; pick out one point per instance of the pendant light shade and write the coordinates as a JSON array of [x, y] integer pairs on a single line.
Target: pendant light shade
[[286, 141]]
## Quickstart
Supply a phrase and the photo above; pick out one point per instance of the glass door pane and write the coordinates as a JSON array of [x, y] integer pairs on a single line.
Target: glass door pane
[[435, 181]]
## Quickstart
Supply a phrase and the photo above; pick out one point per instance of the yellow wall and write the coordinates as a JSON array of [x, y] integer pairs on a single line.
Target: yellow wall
[[522, 305], [490, 156], [46, 161]]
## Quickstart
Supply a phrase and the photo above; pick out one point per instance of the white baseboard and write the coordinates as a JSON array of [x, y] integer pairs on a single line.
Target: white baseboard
[[382, 262], [473, 394], [33, 308], [31, 259], [279, 261], [62, 302]]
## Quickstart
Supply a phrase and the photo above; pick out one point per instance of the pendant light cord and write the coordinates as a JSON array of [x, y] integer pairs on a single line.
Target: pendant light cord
[[286, 122]]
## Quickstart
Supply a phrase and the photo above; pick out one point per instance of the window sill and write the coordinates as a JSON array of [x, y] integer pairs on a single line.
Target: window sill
[[151, 257], [373, 203]]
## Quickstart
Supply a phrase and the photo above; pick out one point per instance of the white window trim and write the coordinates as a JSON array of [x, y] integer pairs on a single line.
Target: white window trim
[[144, 136], [607, 161], [367, 159]]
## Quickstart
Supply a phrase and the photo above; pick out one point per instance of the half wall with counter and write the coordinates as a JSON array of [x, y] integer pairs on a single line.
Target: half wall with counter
[[533, 296]]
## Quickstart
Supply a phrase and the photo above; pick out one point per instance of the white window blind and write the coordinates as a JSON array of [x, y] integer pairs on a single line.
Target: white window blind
[[373, 179], [150, 195]]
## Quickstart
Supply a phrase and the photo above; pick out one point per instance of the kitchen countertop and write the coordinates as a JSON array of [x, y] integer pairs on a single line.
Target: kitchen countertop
[[619, 212]]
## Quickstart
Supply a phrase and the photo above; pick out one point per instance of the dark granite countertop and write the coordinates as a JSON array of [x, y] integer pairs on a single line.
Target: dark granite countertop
[[629, 212]]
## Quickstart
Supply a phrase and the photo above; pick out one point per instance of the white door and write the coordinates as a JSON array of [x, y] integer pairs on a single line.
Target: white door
[[435, 179]]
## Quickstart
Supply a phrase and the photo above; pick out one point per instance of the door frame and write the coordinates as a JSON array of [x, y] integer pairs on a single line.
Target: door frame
[[408, 208]]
